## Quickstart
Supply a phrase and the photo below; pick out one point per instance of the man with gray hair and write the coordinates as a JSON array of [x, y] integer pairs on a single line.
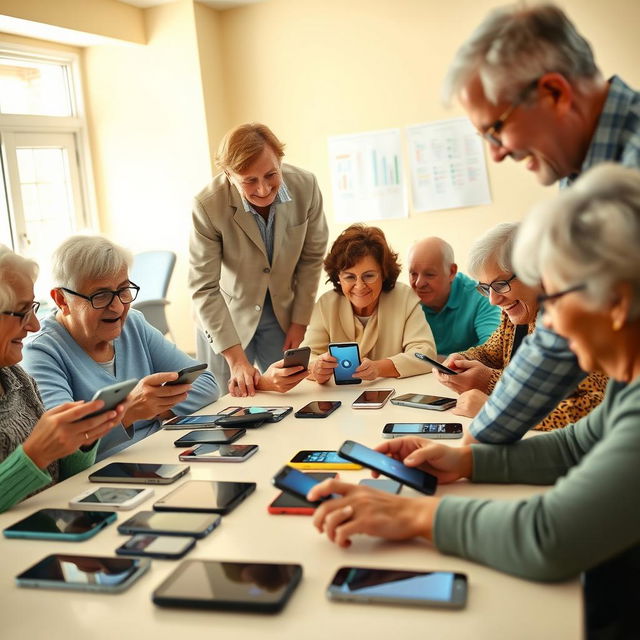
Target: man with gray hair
[[459, 317], [530, 85]]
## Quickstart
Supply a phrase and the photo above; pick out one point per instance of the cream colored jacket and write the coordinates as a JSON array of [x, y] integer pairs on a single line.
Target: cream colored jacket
[[396, 331], [229, 272]]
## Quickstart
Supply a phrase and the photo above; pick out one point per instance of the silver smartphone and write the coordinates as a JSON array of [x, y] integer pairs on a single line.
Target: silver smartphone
[[110, 499], [396, 586], [436, 430], [112, 395], [373, 399], [422, 401], [142, 473], [219, 453]]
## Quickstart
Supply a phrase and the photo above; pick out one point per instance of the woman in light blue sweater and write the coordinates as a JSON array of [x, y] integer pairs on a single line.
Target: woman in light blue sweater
[[94, 339]]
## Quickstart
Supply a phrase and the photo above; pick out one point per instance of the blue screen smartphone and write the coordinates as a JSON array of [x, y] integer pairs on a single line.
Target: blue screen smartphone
[[394, 469], [348, 356], [60, 524], [295, 483]]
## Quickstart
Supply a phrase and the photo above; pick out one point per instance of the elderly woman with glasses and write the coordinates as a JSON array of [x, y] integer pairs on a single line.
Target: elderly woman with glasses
[[369, 307], [94, 339], [480, 368], [37, 447], [583, 247]]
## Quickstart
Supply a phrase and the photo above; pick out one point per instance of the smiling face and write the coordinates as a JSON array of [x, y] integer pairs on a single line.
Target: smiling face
[[520, 303], [428, 276], [362, 296], [260, 181], [12, 331]]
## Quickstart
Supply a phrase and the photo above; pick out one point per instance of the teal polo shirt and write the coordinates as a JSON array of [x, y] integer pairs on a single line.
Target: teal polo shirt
[[467, 320]]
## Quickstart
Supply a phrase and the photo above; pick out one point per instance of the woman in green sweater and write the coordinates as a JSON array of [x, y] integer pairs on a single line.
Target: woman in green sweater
[[583, 248], [37, 448]]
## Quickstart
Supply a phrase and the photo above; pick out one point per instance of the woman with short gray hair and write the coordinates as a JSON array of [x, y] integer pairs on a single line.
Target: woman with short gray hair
[[37, 447], [480, 368], [94, 339]]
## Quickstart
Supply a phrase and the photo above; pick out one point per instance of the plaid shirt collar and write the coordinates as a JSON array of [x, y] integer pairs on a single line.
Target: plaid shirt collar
[[282, 196]]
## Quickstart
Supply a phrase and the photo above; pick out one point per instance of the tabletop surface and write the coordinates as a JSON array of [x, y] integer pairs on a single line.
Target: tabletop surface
[[499, 606]]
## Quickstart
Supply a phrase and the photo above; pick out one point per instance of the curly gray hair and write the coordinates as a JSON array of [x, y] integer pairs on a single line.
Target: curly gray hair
[[11, 262]]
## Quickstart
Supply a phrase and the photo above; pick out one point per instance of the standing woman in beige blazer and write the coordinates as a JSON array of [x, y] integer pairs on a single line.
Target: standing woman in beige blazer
[[369, 307], [259, 236]]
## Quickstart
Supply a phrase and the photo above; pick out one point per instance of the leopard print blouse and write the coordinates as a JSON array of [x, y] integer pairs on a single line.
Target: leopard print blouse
[[496, 353]]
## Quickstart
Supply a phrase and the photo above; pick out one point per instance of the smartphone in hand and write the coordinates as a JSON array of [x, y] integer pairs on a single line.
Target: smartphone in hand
[[187, 375]]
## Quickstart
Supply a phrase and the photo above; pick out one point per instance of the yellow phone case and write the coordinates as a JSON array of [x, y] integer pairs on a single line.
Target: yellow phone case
[[324, 466]]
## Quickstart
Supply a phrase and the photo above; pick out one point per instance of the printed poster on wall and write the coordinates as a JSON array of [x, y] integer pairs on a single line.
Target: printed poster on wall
[[367, 176], [447, 165]]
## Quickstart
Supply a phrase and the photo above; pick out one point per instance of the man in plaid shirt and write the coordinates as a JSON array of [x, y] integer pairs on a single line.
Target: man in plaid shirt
[[529, 83]]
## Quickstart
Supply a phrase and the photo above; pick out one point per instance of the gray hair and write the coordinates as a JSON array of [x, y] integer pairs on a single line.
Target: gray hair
[[514, 46], [12, 262], [447, 255], [589, 234], [494, 246], [81, 258]]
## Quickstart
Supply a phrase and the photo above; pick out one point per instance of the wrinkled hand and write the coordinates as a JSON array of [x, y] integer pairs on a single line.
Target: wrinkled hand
[[150, 398], [366, 510], [281, 379], [62, 430], [295, 335], [469, 403], [244, 380], [322, 368], [368, 370], [471, 374]]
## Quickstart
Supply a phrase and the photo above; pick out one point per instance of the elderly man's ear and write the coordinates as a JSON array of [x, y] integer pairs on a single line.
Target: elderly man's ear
[[453, 270], [60, 301]]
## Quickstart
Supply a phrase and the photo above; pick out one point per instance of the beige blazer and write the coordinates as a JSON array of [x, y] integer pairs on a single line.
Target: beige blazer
[[229, 272], [396, 331]]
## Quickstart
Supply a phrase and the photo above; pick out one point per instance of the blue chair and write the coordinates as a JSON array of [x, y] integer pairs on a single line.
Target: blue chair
[[152, 273]]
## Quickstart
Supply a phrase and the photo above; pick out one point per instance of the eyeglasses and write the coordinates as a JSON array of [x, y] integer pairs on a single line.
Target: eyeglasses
[[499, 286], [24, 316], [102, 299], [545, 298], [351, 278], [491, 134]]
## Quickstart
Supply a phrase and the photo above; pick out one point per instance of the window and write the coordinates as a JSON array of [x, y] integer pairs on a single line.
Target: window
[[45, 192]]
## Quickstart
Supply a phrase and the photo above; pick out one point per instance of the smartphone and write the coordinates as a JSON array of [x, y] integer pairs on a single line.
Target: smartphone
[[318, 409], [321, 460], [390, 467], [289, 504], [202, 496], [297, 357], [143, 473], [60, 524], [247, 421], [152, 546], [382, 484], [187, 375], [192, 422], [422, 429], [195, 525], [396, 586], [421, 401], [110, 498], [373, 399], [295, 482], [438, 365], [218, 453], [112, 396], [84, 573], [348, 356], [275, 413], [229, 586], [209, 436]]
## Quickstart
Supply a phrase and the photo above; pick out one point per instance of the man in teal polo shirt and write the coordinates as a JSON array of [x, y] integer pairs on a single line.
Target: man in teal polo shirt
[[458, 315]]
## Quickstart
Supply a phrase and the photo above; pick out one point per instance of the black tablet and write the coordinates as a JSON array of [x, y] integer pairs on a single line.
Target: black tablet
[[204, 496], [229, 586], [196, 525]]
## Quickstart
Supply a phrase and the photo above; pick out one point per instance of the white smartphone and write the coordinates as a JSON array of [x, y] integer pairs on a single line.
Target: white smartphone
[[109, 499], [373, 399], [219, 453]]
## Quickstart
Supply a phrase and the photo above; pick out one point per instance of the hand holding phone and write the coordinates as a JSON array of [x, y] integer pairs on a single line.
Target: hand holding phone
[[297, 357], [347, 355], [438, 365], [187, 375]]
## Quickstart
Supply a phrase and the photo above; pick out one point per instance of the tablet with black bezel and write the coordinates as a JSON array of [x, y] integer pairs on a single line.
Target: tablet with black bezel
[[202, 496]]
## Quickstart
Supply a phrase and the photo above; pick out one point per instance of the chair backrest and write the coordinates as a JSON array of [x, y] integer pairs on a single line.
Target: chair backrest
[[152, 272]]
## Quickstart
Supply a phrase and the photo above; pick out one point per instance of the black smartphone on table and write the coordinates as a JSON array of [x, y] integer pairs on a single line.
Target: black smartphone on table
[[202, 496], [192, 422], [397, 586], [218, 453], [144, 473], [318, 409], [112, 396], [438, 365], [71, 525], [390, 467], [348, 356], [297, 357], [275, 414], [209, 436], [196, 525], [246, 421], [187, 375], [229, 586], [154, 546], [436, 430], [422, 401], [290, 504]]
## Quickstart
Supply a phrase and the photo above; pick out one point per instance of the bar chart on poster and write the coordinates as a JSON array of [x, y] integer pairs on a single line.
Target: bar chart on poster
[[367, 176]]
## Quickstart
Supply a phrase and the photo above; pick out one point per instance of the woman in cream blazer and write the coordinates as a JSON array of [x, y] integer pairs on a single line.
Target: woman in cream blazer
[[369, 307]]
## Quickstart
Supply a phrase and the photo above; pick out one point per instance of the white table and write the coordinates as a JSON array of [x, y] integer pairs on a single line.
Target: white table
[[499, 606]]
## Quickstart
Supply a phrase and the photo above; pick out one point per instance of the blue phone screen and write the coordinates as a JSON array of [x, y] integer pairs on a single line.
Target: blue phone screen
[[296, 482], [348, 361]]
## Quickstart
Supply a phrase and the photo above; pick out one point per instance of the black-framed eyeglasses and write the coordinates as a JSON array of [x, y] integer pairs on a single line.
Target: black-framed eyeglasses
[[491, 134], [545, 298], [24, 316], [499, 286], [102, 299]]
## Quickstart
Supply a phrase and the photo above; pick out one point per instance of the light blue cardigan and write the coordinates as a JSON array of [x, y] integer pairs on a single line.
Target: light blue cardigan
[[64, 372]]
